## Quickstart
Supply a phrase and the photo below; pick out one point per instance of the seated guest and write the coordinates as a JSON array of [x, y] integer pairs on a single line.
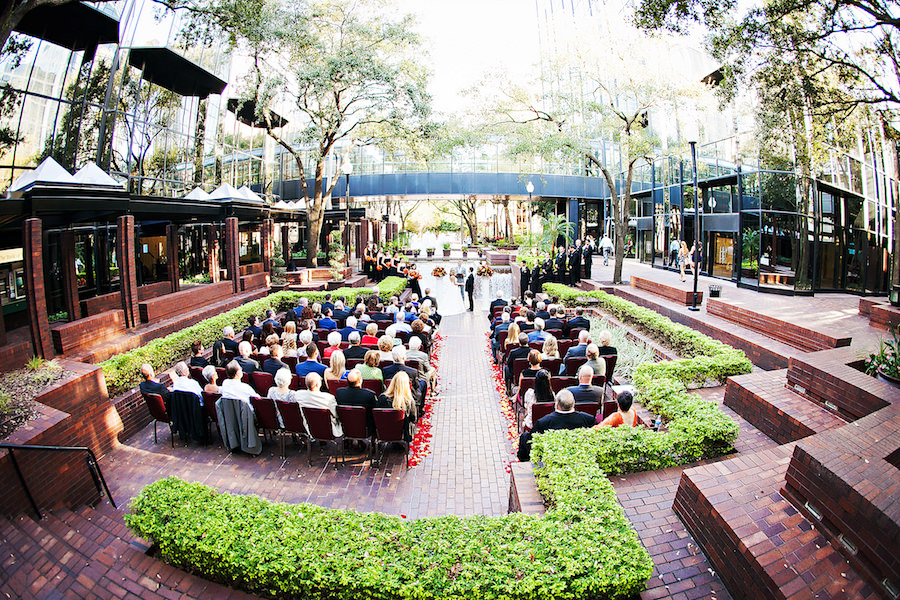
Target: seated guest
[[512, 338], [625, 415], [334, 343], [310, 365], [604, 340], [289, 339], [418, 331], [521, 352], [399, 325], [226, 344], [398, 354], [197, 359], [273, 364], [356, 395], [355, 350], [385, 345], [593, 361], [270, 318], [541, 392], [399, 396], [327, 322], [534, 365], [254, 326], [317, 311], [270, 341], [584, 338], [350, 328], [313, 397], [577, 322], [528, 324], [369, 369], [228, 340], [268, 328], [502, 326], [426, 371], [340, 312], [183, 382], [371, 337], [337, 367], [211, 377], [537, 335], [554, 322], [541, 311], [304, 339], [281, 389], [328, 304], [585, 391], [430, 298], [150, 384], [248, 365], [564, 417], [233, 387], [550, 348], [499, 301], [247, 336]]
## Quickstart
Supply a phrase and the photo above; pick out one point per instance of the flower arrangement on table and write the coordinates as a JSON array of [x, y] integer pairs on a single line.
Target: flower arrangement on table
[[485, 270], [439, 272]]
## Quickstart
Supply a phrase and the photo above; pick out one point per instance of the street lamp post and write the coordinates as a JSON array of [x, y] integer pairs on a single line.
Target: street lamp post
[[693, 143], [347, 168], [529, 188]]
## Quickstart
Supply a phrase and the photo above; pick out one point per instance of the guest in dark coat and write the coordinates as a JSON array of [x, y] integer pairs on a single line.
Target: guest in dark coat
[[564, 417], [150, 384], [355, 395]]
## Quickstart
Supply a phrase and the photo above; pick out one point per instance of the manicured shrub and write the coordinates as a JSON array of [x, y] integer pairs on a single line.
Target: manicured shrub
[[695, 428], [583, 547], [122, 371]]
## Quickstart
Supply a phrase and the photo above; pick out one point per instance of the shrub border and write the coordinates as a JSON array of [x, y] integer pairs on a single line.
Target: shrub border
[[122, 371], [695, 428], [583, 547]]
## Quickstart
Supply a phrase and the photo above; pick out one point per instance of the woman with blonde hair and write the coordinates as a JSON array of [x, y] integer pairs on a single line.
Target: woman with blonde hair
[[400, 397], [369, 369], [550, 349], [271, 340], [385, 345], [684, 259], [289, 339], [371, 337], [512, 336], [603, 344], [337, 369]]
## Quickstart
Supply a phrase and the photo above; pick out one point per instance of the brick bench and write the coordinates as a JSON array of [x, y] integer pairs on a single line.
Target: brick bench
[[170, 305], [99, 304], [766, 403], [884, 316], [254, 281], [802, 338], [866, 304], [757, 542], [675, 294], [524, 496], [75, 335], [355, 281]]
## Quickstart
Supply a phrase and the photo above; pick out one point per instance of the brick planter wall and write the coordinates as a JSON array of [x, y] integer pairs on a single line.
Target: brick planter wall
[[524, 496]]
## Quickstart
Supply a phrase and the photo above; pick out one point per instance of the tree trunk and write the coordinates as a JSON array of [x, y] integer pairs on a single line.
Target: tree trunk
[[507, 228], [622, 210]]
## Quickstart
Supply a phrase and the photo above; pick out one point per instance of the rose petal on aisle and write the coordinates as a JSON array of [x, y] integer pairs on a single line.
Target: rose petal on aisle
[[420, 447]]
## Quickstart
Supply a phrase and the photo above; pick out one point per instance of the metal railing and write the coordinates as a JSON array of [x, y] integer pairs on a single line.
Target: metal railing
[[92, 465]]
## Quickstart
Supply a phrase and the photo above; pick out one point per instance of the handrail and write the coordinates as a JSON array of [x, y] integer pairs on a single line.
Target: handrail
[[93, 469]]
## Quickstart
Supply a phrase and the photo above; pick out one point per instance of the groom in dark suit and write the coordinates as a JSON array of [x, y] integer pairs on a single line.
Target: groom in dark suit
[[470, 288]]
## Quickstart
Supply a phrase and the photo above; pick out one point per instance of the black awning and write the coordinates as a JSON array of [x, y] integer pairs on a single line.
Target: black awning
[[245, 112], [166, 68], [73, 25]]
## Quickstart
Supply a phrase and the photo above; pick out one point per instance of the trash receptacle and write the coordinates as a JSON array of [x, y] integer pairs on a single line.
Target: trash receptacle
[[715, 291]]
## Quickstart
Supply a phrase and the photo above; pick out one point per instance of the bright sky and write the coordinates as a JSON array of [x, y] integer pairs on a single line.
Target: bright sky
[[469, 37]]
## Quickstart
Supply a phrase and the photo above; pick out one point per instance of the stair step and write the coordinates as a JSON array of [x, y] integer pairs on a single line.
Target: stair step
[[783, 415]]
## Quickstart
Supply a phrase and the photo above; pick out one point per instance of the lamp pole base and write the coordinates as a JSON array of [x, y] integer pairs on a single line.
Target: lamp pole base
[[694, 308]]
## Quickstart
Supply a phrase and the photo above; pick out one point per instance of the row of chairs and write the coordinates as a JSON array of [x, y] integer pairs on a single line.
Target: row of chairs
[[573, 363], [542, 409], [389, 423]]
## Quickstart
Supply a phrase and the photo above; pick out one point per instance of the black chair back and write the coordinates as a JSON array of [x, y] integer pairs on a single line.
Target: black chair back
[[318, 421], [590, 408]]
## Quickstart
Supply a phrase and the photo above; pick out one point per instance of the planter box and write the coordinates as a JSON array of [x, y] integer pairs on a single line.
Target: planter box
[[447, 253]]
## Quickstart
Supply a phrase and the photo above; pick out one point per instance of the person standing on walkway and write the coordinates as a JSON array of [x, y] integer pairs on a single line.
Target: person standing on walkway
[[459, 276], [561, 260], [575, 264], [606, 247], [684, 259], [470, 288], [588, 258]]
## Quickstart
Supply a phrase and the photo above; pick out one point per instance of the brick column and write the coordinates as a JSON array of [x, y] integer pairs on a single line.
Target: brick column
[[172, 255], [286, 243], [125, 256], [363, 234], [69, 279], [267, 233], [232, 253], [35, 296], [212, 246]]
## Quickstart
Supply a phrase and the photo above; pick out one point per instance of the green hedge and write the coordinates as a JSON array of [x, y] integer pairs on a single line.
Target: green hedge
[[695, 428], [122, 371], [583, 547]]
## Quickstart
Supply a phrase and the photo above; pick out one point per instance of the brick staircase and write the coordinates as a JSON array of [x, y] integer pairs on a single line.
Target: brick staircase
[[89, 553]]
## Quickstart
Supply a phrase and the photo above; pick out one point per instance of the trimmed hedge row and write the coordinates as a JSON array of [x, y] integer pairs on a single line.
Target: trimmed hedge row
[[695, 428], [122, 371], [583, 547]]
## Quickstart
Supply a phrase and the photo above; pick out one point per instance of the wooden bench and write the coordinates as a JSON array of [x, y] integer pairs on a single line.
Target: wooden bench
[[170, 305], [75, 335], [100, 304], [254, 281], [675, 294], [803, 338]]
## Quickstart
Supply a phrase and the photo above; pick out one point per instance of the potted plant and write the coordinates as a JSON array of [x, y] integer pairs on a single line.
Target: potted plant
[[429, 252], [465, 251], [885, 363], [446, 249]]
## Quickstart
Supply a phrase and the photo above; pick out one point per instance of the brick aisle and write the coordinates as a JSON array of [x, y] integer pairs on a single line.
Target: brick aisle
[[465, 473]]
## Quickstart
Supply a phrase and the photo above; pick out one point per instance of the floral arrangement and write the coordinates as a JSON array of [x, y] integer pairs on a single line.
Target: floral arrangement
[[439, 272], [485, 270], [413, 274]]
